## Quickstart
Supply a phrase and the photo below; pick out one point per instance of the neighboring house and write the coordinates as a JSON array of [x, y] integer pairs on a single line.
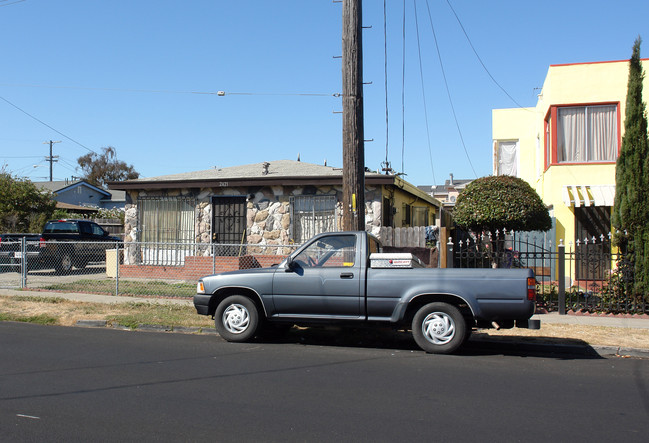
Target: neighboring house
[[448, 192], [278, 202], [566, 147], [82, 197]]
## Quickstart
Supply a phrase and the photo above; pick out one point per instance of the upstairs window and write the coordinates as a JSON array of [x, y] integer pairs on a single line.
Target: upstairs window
[[586, 134]]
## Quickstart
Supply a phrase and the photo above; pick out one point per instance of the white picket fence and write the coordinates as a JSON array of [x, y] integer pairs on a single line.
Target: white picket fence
[[414, 237]]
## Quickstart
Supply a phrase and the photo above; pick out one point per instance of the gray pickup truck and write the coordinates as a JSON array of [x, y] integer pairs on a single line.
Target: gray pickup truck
[[345, 278]]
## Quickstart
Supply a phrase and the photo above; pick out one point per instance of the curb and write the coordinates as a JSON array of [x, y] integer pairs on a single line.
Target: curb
[[519, 346], [563, 349]]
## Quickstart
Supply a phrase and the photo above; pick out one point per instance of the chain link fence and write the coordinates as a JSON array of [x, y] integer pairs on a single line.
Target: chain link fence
[[133, 268]]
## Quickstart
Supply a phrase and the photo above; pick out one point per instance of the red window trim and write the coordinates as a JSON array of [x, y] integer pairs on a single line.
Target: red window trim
[[551, 117]]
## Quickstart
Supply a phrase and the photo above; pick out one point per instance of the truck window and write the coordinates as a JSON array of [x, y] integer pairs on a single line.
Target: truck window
[[97, 230], [328, 252], [61, 228], [85, 228]]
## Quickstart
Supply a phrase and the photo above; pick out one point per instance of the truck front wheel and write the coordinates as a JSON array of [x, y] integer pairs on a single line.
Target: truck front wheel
[[438, 328], [236, 319]]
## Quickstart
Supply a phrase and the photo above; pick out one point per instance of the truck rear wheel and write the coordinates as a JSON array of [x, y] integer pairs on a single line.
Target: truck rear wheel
[[64, 264], [236, 319], [439, 328]]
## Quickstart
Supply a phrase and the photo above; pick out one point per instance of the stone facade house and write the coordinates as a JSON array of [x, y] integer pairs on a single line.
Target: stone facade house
[[271, 203]]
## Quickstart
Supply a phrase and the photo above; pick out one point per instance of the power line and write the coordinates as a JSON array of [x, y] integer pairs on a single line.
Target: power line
[[385, 68], [28, 156], [168, 91], [46, 125], [480, 59], [448, 91], [13, 3], [423, 92], [403, 88]]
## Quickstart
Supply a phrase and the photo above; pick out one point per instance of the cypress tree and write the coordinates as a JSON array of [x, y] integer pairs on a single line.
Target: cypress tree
[[631, 207]]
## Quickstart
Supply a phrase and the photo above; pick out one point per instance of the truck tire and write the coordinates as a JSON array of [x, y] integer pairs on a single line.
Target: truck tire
[[236, 319], [64, 264], [439, 328]]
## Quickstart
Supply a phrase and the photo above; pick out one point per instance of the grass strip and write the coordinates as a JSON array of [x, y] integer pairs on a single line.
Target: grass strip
[[127, 287]]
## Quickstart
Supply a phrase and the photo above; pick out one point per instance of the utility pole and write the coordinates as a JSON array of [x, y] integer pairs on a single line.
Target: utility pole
[[51, 158], [353, 143]]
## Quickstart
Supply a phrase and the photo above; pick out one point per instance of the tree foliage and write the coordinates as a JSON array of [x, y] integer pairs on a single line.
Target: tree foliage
[[631, 207], [105, 167], [23, 207], [497, 202]]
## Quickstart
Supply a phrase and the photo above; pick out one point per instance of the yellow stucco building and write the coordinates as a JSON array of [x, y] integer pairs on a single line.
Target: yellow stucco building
[[566, 146]]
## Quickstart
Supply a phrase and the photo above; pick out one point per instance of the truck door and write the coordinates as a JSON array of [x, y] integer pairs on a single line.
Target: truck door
[[323, 281]]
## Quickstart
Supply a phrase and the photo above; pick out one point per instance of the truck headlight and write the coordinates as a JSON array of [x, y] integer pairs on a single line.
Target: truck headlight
[[200, 288]]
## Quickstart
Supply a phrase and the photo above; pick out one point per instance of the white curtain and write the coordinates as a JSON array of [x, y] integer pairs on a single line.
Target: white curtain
[[571, 135], [508, 158], [602, 133]]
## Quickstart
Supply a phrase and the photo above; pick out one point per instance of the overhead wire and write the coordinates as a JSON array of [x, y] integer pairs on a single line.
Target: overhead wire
[[423, 92], [46, 125], [403, 89], [480, 59], [385, 67], [169, 91], [448, 91], [12, 3]]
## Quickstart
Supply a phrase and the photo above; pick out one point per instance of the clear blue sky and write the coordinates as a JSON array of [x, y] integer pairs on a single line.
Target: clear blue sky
[[89, 69]]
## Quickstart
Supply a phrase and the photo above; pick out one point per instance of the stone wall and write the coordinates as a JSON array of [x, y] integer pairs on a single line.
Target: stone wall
[[268, 211]]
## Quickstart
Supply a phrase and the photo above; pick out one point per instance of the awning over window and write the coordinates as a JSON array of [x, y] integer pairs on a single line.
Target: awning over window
[[589, 195]]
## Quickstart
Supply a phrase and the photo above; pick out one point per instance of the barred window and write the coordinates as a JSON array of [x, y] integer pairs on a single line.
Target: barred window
[[165, 227], [311, 215]]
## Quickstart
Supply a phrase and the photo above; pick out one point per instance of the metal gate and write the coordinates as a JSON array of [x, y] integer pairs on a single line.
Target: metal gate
[[229, 220], [593, 257]]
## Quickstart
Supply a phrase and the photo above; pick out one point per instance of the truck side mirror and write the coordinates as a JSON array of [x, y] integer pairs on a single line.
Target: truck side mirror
[[290, 264]]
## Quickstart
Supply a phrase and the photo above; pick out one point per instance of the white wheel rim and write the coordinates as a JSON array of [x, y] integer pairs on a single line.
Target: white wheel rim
[[438, 328], [236, 318]]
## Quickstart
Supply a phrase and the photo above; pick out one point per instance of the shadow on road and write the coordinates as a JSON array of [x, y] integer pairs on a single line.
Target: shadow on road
[[478, 344]]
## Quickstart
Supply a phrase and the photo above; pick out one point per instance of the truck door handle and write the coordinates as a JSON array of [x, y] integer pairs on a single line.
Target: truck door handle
[[347, 275]]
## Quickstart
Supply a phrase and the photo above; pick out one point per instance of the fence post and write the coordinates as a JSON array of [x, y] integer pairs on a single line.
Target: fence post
[[116, 269], [562, 278], [449, 253], [23, 263]]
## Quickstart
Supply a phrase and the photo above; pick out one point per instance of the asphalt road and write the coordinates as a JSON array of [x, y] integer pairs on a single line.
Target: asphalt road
[[76, 384]]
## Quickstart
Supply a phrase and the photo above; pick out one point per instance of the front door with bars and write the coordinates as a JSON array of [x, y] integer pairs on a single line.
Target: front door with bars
[[229, 220], [592, 248]]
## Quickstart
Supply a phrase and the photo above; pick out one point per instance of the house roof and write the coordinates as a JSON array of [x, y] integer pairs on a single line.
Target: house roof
[[75, 208], [277, 172], [66, 185]]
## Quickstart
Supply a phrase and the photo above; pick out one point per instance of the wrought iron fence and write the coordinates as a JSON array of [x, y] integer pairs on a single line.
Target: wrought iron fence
[[587, 275], [118, 268]]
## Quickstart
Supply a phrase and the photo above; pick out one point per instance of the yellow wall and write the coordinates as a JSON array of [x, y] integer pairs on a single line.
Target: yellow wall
[[564, 85], [405, 193]]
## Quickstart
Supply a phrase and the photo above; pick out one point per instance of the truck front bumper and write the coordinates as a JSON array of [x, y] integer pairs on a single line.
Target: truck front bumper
[[202, 303]]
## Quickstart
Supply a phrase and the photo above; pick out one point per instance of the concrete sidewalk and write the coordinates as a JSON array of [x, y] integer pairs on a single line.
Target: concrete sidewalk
[[593, 320], [95, 298]]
